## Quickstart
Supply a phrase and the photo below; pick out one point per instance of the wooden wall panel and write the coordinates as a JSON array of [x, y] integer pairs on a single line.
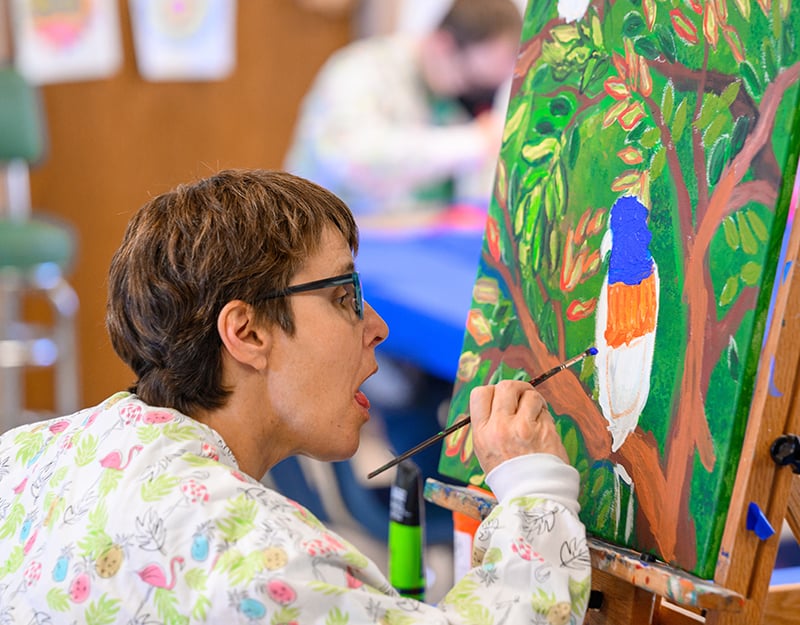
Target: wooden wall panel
[[114, 143]]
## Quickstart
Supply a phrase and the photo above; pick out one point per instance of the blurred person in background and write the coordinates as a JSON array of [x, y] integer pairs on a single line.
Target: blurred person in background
[[404, 123], [236, 304]]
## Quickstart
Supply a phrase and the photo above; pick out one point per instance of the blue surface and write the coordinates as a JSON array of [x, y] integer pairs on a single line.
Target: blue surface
[[421, 283], [788, 575]]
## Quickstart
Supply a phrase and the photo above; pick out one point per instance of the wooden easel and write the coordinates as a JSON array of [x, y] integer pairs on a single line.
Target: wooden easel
[[635, 591]]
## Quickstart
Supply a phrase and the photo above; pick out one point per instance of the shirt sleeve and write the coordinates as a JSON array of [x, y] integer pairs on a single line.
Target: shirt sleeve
[[287, 567]]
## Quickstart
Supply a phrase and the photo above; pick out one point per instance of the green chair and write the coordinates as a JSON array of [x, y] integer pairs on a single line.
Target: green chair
[[34, 254]]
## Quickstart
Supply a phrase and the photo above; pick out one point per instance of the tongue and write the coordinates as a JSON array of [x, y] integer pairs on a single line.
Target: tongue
[[362, 399]]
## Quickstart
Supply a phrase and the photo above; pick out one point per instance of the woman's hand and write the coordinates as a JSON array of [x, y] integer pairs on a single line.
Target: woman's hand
[[511, 419]]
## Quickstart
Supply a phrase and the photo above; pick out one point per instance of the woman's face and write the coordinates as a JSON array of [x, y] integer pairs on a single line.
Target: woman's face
[[314, 377]]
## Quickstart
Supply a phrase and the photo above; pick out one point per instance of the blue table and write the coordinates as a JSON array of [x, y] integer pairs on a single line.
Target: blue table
[[420, 281]]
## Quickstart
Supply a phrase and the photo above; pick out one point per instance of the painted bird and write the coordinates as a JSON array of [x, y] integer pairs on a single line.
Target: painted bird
[[627, 312]]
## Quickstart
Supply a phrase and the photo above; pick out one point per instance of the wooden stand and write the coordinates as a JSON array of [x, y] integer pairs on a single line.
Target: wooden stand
[[636, 591]]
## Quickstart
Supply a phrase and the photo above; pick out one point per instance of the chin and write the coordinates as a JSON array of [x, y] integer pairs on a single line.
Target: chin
[[337, 453]]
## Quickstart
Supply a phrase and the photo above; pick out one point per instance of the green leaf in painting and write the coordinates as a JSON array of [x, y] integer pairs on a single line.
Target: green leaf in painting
[[739, 135], [714, 130], [647, 48], [667, 42], [625, 181], [597, 31], [519, 214], [788, 43], [744, 8], [636, 134], [757, 225], [597, 484], [573, 146], [770, 63], [501, 182], [710, 110], [751, 81], [733, 358], [537, 238], [560, 188], [751, 272], [679, 123], [604, 509], [668, 103], [717, 160], [549, 201], [599, 72], [571, 445], [729, 291], [658, 162], [650, 138], [731, 231], [749, 243], [565, 33], [632, 24], [555, 255], [514, 121], [538, 152], [587, 74], [728, 95]]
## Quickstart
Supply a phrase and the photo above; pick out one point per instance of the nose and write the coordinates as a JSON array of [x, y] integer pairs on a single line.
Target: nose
[[375, 328]]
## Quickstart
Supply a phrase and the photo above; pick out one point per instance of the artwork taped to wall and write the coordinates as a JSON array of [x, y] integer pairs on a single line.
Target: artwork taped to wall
[[66, 40], [184, 40], [640, 200]]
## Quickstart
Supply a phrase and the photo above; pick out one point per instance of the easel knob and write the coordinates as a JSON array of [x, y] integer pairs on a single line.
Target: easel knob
[[786, 451]]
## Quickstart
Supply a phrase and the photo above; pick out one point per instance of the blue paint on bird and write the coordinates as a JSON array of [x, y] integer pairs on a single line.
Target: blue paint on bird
[[630, 261]]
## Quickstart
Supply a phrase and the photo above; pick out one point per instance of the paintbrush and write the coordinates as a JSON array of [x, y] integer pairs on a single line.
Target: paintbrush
[[460, 424]]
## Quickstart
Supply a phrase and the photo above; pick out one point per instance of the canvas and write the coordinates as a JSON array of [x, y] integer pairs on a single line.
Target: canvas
[[640, 200]]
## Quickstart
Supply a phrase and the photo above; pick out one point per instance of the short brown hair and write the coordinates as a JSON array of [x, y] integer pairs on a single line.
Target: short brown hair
[[186, 253], [476, 21]]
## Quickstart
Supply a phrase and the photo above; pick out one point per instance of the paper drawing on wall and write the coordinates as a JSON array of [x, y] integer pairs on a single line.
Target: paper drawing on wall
[[640, 200]]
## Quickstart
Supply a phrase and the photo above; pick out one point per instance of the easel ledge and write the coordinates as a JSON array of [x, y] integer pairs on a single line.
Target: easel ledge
[[655, 577]]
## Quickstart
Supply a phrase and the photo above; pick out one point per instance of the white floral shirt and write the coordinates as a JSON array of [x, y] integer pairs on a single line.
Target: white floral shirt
[[127, 513], [371, 132]]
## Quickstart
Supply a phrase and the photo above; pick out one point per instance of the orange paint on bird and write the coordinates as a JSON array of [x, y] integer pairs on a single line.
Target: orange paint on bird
[[631, 311]]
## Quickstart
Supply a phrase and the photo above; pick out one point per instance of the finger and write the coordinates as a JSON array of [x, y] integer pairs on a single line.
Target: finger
[[480, 403], [532, 403], [507, 396]]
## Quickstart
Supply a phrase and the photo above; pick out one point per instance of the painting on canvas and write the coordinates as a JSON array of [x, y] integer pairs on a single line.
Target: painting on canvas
[[640, 200]]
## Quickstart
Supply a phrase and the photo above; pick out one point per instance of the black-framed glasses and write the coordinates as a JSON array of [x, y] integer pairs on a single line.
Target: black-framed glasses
[[351, 280]]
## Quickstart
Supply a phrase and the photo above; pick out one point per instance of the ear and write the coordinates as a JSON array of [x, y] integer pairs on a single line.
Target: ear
[[247, 341]]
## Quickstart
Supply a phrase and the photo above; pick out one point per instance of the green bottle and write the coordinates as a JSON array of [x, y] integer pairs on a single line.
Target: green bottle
[[407, 532]]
